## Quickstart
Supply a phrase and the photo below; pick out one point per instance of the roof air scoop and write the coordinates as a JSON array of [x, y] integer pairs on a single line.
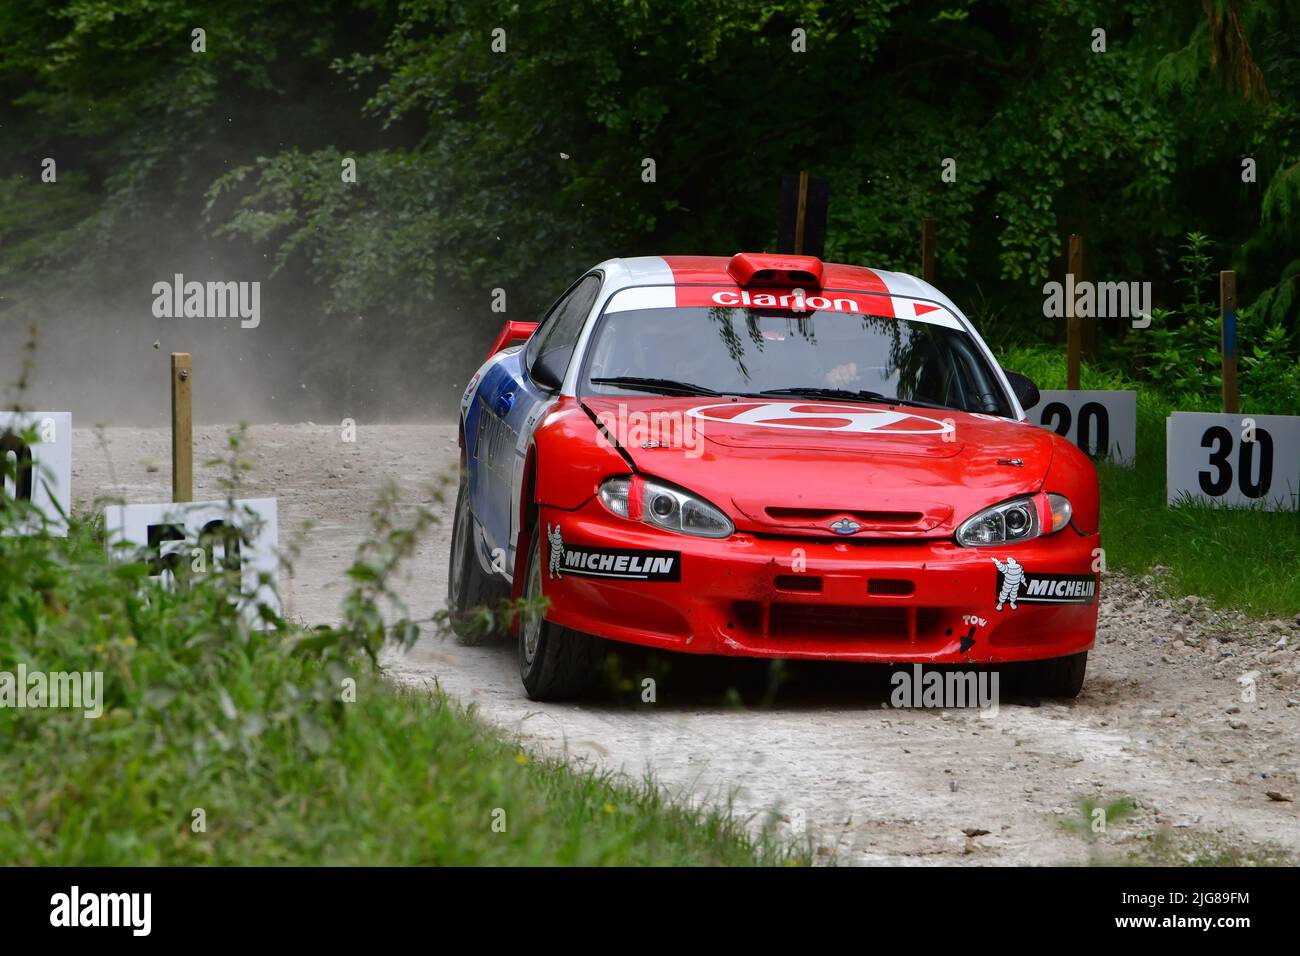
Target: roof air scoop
[[786, 271]]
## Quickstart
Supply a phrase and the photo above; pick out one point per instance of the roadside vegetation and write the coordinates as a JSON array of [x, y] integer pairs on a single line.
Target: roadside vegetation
[[478, 167], [225, 744], [1247, 558]]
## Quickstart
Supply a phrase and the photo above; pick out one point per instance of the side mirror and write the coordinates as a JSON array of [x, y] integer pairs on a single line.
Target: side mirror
[[548, 370], [1026, 391]]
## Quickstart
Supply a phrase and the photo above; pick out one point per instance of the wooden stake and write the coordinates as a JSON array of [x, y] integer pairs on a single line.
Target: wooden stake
[[927, 250], [1228, 339], [1074, 324], [802, 214], [1088, 324], [182, 429], [801, 211]]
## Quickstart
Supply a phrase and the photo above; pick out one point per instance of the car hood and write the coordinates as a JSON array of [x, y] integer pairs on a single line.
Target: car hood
[[786, 466]]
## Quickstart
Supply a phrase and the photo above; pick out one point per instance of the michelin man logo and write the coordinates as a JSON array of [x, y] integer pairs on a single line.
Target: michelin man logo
[[1013, 576], [557, 550]]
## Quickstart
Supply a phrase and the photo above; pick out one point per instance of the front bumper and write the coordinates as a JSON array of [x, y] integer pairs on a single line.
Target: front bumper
[[814, 598]]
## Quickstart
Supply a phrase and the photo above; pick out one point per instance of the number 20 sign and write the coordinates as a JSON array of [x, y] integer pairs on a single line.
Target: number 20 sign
[[1234, 460], [1101, 424]]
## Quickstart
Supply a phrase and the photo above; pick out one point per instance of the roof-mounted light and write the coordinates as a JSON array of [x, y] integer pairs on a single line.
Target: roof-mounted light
[[759, 269]]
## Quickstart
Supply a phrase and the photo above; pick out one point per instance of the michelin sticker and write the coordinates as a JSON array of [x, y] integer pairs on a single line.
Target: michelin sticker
[[1015, 584], [626, 563]]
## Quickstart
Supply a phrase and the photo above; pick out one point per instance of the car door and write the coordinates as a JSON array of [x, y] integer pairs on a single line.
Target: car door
[[513, 404]]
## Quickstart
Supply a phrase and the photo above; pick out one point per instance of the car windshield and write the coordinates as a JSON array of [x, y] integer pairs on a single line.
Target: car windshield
[[819, 354]]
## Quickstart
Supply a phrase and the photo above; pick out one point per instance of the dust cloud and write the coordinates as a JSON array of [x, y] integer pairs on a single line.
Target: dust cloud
[[103, 354]]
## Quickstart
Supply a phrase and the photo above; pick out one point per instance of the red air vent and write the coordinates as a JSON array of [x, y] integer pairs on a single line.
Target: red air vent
[[759, 269]]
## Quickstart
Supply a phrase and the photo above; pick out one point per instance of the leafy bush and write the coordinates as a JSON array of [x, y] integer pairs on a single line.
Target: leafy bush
[[1181, 352], [221, 742]]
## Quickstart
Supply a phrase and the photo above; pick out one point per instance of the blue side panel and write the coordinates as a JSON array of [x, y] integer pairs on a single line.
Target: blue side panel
[[491, 448], [529, 403], [474, 471]]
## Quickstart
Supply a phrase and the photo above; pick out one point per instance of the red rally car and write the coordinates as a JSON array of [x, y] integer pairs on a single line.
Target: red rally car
[[769, 456]]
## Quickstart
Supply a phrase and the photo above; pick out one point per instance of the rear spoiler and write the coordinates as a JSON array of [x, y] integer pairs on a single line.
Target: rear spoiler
[[512, 333]]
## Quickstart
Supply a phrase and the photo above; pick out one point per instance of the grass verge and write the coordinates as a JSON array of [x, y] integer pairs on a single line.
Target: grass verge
[[224, 744]]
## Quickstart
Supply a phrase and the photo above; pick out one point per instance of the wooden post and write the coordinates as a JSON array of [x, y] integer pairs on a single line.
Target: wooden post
[[1088, 324], [1228, 339], [801, 211], [1074, 324], [182, 429], [802, 214], [927, 250]]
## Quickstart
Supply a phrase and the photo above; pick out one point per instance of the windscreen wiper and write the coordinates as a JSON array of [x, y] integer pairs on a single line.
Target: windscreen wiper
[[851, 395], [664, 386]]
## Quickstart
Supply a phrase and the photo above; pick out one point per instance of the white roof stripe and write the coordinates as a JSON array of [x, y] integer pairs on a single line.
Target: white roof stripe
[[643, 297], [905, 308]]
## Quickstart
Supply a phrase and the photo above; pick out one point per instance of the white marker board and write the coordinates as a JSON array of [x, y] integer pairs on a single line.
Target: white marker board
[[1210, 457], [164, 535], [39, 471], [1101, 424]]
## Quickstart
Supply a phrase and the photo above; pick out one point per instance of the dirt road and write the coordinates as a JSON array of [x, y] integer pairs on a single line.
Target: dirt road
[[1162, 720]]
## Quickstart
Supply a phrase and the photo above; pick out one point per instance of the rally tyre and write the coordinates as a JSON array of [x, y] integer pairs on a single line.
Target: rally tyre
[[555, 663], [1057, 677], [468, 587]]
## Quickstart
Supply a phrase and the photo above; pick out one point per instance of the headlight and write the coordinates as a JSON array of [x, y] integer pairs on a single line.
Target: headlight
[[664, 506], [1020, 519]]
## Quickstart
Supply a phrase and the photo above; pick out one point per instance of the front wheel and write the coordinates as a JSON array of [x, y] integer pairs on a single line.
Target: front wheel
[[1057, 677], [555, 663]]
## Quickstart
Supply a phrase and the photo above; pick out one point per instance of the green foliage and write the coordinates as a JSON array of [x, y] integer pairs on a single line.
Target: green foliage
[[1180, 351], [1113, 812], [116, 94], [380, 258], [1270, 373], [290, 742], [1046, 368], [479, 169]]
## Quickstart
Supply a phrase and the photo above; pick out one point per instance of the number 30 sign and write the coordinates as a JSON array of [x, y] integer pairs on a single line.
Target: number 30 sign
[[1234, 460]]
